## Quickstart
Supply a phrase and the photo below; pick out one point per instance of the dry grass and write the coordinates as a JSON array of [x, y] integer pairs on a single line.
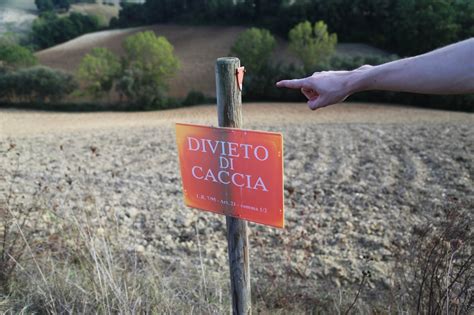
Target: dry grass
[[75, 267], [437, 274], [66, 265]]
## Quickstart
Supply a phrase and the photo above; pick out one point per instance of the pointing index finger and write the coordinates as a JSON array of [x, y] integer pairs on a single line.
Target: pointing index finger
[[292, 84]]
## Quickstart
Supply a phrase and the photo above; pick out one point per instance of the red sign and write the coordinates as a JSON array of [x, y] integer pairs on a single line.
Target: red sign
[[233, 172]]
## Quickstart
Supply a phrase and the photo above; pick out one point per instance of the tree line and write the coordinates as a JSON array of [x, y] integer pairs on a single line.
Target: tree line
[[406, 27], [50, 29], [140, 76], [314, 46], [60, 5]]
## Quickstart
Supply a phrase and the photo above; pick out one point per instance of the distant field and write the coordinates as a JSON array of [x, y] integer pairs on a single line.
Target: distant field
[[266, 114], [197, 47]]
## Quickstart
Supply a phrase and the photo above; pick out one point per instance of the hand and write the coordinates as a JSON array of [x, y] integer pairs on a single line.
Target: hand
[[325, 88]]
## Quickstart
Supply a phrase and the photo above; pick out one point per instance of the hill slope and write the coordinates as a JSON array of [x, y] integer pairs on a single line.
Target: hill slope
[[197, 47]]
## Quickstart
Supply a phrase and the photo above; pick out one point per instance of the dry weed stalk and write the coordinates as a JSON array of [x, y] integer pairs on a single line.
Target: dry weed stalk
[[440, 265], [66, 261]]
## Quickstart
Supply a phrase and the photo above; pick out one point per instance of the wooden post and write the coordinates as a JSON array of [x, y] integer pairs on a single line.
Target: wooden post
[[229, 109]]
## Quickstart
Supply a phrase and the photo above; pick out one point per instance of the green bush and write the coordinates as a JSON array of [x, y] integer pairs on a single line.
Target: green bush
[[98, 70], [149, 64], [261, 86], [141, 77], [194, 98], [36, 84], [350, 63], [254, 47], [14, 56], [312, 44]]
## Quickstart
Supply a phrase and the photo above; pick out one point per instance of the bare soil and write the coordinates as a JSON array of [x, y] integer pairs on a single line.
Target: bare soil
[[360, 180]]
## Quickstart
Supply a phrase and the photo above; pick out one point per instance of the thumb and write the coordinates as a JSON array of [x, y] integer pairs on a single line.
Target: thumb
[[317, 103]]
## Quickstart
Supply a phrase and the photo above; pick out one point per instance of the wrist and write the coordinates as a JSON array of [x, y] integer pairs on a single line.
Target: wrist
[[359, 79]]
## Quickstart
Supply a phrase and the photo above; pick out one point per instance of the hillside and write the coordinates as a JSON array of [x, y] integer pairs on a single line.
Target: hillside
[[197, 47]]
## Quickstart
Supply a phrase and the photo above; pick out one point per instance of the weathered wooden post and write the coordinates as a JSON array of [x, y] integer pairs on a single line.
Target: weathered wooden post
[[229, 108]]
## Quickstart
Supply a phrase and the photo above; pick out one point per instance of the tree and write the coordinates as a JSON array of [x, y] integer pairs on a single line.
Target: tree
[[49, 5], [62, 4], [149, 64], [14, 56], [313, 45], [44, 5], [98, 71], [50, 29], [465, 16], [254, 47], [423, 25]]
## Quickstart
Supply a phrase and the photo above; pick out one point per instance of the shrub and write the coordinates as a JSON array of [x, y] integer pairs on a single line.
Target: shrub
[[195, 98], [261, 86], [350, 63], [313, 45], [254, 47], [38, 84], [13, 56], [438, 269], [149, 64], [98, 71]]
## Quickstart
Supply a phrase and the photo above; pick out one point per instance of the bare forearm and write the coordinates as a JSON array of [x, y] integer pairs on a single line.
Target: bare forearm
[[449, 70]]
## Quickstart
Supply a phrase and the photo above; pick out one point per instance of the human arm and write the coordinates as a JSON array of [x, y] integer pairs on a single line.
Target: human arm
[[448, 70]]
